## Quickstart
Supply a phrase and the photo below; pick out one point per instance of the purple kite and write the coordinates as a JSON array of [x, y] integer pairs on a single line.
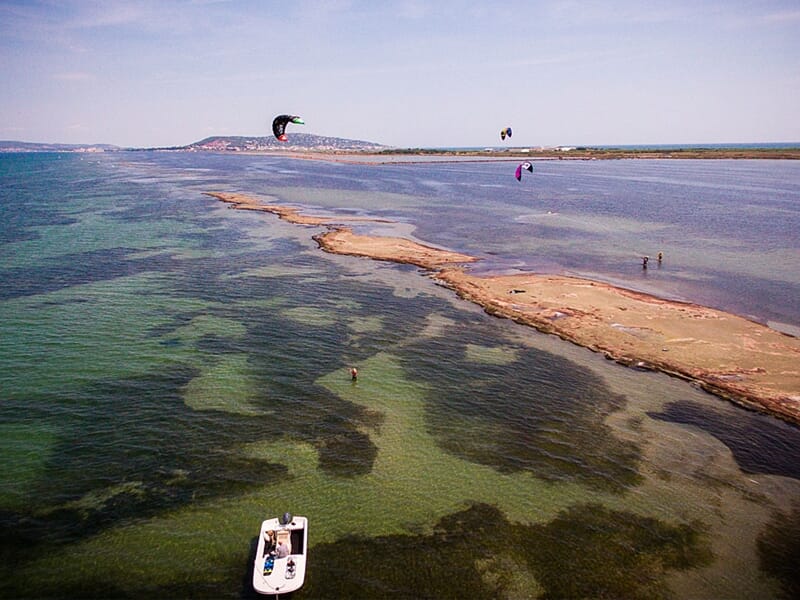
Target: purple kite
[[527, 166]]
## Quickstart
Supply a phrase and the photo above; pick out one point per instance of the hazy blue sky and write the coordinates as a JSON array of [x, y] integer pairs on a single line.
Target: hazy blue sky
[[404, 73]]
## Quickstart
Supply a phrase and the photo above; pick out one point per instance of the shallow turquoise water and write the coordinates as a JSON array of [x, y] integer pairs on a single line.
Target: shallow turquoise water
[[172, 372]]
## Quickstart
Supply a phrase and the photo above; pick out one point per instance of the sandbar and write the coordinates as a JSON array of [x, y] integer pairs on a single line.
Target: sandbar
[[342, 240], [287, 213], [732, 357]]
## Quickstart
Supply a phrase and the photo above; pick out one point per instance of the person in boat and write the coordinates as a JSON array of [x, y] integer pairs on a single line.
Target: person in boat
[[281, 550], [269, 539]]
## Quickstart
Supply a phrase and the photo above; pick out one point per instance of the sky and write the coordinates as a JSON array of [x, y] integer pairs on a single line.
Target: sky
[[414, 73]]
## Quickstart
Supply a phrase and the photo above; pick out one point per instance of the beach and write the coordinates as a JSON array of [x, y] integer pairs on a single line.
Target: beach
[[727, 355]]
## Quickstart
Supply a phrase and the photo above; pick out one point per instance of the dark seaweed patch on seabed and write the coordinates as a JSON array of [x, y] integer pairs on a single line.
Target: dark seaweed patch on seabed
[[587, 551], [17, 228], [779, 550], [77, 269], [296, 353], [760, 444], [541, 413], [136, 431]]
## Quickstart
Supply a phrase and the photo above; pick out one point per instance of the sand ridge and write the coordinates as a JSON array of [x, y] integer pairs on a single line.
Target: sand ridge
[[287, 213], [730, 356]]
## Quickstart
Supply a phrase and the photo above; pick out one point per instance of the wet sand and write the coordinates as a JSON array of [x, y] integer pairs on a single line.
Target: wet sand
[[727, 355]]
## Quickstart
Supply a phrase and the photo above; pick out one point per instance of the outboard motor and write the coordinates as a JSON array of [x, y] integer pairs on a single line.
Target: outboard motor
[[286, 519]]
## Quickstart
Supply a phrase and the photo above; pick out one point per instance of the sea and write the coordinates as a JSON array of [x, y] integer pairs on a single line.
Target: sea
[[173, 372]]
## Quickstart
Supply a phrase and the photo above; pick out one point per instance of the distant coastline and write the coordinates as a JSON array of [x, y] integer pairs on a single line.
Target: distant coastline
[[647, 147], [788, 151], [300, 145]]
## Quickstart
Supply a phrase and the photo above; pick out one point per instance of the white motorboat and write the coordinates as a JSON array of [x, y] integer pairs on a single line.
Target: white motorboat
[[280, 565]]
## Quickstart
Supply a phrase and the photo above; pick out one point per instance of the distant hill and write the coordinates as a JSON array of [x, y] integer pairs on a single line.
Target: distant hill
[[227, 143], [297, 141], [12, 146]]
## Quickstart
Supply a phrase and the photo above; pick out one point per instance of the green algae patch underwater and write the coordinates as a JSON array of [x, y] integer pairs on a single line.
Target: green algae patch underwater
[[229, 385], [522, 418], [587, 551], [26, 449]]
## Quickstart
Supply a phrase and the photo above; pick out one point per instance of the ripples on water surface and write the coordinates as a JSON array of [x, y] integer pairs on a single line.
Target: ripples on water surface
[[172, 372]]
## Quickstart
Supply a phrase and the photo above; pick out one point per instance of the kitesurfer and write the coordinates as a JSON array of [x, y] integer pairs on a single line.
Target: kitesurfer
[[527, 166], [279, 125]]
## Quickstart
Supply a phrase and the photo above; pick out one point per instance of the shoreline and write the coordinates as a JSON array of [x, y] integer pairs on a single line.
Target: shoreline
[[727, 355], [426, 155]]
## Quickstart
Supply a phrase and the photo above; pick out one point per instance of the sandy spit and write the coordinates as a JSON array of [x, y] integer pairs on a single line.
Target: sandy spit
[[735, 358]]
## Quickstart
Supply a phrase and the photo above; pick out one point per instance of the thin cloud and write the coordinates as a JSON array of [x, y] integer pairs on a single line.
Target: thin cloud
[[786, 16], [73, 76], [107, 14], [605, 13], [414, 9]]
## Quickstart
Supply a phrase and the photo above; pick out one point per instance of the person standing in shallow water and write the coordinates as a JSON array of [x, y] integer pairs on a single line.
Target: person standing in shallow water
[[354, 373]]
